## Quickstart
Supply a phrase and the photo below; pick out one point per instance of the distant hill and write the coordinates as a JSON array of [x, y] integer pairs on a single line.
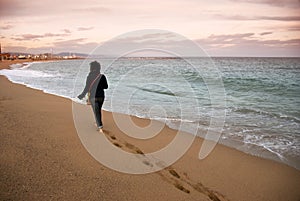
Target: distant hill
[[63, 54]]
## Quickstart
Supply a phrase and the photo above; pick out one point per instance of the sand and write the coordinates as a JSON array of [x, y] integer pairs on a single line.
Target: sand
[[42, 158]]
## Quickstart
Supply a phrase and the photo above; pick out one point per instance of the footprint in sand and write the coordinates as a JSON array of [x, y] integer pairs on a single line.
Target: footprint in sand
[[180, 187], [134, 148], [202, 189], [147, 163], [169, 174], [123, 144], [117, 144], [112, 137], [174, 173]]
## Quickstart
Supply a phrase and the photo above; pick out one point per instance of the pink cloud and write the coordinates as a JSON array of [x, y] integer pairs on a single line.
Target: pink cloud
[[75, 45], [294, 28], [6, 27], [245, 18], [278, 18], [84, 28], [28, 37], [243, 39], [67, 31], [12, 8], [248, 45], [266, 33], [70, 42], [244, 44], [277, 3], [94, 9]]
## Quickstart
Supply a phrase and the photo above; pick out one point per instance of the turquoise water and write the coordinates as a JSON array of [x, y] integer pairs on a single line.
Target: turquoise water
[[262, 96]]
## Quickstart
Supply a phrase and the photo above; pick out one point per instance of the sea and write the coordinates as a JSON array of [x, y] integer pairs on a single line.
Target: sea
[[261, 100]]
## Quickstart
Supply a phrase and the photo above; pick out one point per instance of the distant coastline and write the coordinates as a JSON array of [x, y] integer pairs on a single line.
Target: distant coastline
[[73, 55], [39, 57]]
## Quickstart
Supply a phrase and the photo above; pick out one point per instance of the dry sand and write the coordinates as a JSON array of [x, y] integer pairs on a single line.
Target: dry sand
[[42, 158]]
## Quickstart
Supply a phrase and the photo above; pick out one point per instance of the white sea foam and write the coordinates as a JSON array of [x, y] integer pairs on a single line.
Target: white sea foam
[[24, 73]]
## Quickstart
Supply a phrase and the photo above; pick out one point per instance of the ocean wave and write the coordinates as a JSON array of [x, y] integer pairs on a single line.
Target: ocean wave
[[20, 65], [25, 73], [265, 113], [161, 91]]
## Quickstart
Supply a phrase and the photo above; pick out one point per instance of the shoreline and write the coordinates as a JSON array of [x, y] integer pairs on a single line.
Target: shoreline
[[247, 148], [43, 158]]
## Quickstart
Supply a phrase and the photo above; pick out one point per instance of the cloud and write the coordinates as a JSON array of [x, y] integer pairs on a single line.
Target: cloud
[[244, 18], [75, 45], [70, 42], [278, 18], [92, 10], [28, 37], [266, 33], [243, 39], [294, 28], [218, 42], [150, 42], [233, 36], [10, 7], [67, 31], [137, 41], [277, 3], [248, 45], [84, 28], [21, 8], [14, 48], [283, 27], [147, 37], [241, 44], [6, 27]]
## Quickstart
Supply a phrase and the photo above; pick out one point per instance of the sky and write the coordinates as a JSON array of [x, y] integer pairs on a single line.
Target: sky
[[267, 28]]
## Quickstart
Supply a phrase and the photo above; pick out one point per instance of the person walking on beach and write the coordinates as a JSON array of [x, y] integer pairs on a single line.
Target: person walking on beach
[[95, 85]]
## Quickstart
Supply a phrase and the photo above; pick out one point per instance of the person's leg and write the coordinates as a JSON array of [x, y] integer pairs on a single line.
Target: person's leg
[[99, 103], [95, 107]]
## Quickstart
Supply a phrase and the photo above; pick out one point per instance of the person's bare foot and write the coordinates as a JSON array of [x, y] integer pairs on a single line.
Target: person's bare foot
[[99, 129]]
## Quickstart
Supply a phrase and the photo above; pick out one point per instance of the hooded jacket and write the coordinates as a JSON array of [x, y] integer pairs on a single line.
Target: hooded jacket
[[97, 89]]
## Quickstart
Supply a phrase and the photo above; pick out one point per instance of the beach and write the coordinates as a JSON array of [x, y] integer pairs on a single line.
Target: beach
[[42, 158]]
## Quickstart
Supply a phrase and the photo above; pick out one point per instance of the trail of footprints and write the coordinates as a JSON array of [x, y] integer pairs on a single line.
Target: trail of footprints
[[178, 180]]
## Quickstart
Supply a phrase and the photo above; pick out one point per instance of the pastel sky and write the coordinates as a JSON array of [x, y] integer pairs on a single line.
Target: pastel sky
[[220, 27]]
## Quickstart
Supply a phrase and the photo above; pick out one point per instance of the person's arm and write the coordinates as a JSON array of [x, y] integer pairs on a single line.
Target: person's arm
[[86, 88]]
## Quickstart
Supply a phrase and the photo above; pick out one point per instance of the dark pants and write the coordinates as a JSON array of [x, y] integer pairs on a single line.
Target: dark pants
[[97, 106]]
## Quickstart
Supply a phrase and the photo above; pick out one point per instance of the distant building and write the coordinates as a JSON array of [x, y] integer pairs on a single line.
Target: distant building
[[5, 56], [21, 56]]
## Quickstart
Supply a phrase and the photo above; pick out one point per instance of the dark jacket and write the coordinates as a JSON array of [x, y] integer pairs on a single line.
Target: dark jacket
[[97, 90]]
